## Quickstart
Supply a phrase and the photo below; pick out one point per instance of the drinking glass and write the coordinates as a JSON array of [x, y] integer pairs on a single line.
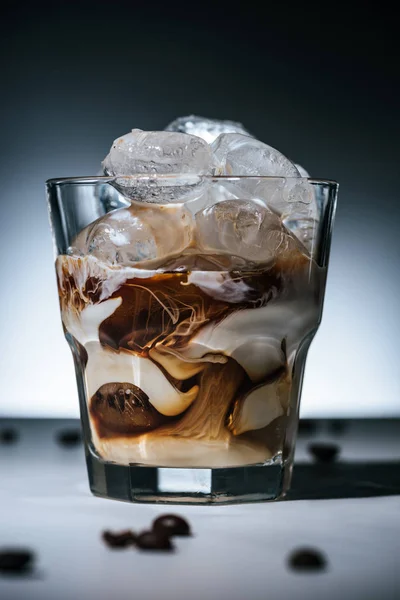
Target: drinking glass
[[189, 325]]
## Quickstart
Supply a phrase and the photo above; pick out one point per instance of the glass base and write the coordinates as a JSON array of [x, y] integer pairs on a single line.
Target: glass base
[[188, 486]]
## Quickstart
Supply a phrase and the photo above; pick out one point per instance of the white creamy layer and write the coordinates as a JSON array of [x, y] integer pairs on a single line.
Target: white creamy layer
[[253, 337], [173, 451], [106, 366], [262, 405], [88, 266]]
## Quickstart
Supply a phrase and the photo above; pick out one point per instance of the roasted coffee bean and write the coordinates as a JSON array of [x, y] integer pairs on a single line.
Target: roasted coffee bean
[[171, 525], [324, 452], [121, 408], [8, 436], [154, 540], [307, 426], [69, 437], [15, 561], [337, 426], [122, 539], [307, 559]]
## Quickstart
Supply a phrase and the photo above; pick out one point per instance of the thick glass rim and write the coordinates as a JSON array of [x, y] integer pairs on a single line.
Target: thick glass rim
[[213, 178]]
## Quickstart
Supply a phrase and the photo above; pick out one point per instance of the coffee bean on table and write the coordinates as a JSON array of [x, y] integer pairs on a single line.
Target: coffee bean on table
[[15, 560], [337, 426], [307, 559], [122, 539], [8, 436], [171, 525], [153, 540], [324, 452], [69, 437], [307, 426]]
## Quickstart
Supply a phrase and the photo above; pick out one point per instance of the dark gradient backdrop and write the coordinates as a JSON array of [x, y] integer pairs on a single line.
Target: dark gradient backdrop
[[318, 85]]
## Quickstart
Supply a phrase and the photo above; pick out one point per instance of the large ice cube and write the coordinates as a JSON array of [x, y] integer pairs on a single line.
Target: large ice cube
[[302, 170], [218, 191], [244, 229], [240, 154], [109, 197], [293, 199], [270, 178], [304, 226], [136, 234], [283, 196], [208, 129], [159, 166], [158, 152]]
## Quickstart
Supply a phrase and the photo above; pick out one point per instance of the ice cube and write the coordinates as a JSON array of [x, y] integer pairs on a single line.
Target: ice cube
[[207, 129], [158, 152], [244, 229], [282, 196], [292, 199], [109, 197], [159, 166], [304, 227], [136, 234], [296, 204], [218, 191], [302, 170], [240, 154]]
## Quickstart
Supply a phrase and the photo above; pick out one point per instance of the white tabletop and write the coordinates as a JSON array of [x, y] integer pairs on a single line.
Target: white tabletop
[[237, 552]]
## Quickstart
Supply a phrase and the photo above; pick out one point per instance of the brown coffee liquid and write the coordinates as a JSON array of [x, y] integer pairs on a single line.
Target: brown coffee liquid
[[158, 318]]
